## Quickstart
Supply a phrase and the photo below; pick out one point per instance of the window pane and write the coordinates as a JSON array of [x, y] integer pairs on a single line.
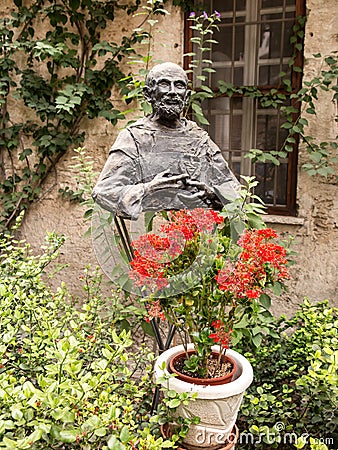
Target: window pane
[[273, 3], [275, 48], [288, 32], [221, 5], [269, 75], [227, 55], [271, 32], [272, 183], [270, 136], [225, 116]]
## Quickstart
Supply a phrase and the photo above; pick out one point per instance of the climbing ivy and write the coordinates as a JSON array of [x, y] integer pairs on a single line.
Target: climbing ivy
[[57, 69], [322, 159]]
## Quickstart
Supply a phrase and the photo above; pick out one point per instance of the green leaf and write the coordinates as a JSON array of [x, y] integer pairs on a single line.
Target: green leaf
[[300, 443], [237, 226], [174, 403], [124, 324], [303, 121], [124, 434], [100, 431], [10, 444], [265, 301], [243, 323], [171, 394], [35, 436], [316, 157], [148, 220], [114, 444], [256, 330], [68, 436], [17, 414], [74, 4], [147, 328], [277, 289], [257, 340]]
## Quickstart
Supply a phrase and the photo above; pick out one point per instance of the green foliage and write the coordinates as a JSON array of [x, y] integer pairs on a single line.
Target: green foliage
[[245, 210], [61, 77], [170, 402], [322, 155], [133, 84], [84, 177], [67, 374], [296, 381], [315, 444], [203, 27]]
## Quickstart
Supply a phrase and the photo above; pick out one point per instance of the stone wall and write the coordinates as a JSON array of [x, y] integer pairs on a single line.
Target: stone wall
[[315, 229]]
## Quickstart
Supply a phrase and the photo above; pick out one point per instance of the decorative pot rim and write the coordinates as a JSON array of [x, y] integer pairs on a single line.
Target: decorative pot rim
[[241, 381], [203, 381]]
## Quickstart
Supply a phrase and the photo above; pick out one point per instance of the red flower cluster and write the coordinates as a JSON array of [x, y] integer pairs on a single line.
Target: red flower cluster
[[261, 262], [221, 336], [153, 254], [159, 249], [192, 222], [148, 273], [155, 310]]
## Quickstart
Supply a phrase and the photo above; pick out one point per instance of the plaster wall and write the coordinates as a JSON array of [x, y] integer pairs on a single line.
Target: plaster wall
[[315, 229]]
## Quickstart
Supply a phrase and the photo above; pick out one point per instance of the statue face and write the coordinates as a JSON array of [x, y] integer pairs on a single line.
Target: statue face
[[168, 93]]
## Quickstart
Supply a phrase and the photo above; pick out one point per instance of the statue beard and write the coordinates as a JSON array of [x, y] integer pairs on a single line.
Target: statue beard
[[168, 110]]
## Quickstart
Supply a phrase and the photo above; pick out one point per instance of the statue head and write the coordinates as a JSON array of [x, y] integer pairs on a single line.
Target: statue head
[[166, 90]]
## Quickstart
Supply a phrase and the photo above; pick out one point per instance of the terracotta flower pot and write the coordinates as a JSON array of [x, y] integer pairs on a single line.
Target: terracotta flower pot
[[216, 405], [202, 381], [229, 445]]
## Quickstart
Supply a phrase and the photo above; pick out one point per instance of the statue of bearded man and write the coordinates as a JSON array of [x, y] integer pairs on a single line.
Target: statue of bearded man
[[164, 161]]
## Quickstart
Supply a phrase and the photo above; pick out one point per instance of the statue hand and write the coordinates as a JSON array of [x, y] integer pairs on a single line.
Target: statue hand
[[204, 189], [164, 180], [205, 193]]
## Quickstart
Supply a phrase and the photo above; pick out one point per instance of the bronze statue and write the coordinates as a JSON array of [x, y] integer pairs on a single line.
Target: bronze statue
[[163, 161]]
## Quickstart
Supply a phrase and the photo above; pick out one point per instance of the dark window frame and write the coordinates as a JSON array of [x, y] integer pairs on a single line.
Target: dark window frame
[[290, 209]]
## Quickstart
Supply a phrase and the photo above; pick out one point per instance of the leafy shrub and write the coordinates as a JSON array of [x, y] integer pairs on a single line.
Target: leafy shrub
[[296, 384], [67, 376], [69, 380]]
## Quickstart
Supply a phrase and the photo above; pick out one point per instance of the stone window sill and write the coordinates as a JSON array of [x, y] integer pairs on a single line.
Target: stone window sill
[[283, 220]]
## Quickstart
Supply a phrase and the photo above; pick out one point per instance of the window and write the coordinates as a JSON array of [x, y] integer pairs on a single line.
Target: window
[[253, 47]]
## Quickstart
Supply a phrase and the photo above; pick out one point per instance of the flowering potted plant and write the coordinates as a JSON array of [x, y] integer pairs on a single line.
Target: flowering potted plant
[[195, 275]]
